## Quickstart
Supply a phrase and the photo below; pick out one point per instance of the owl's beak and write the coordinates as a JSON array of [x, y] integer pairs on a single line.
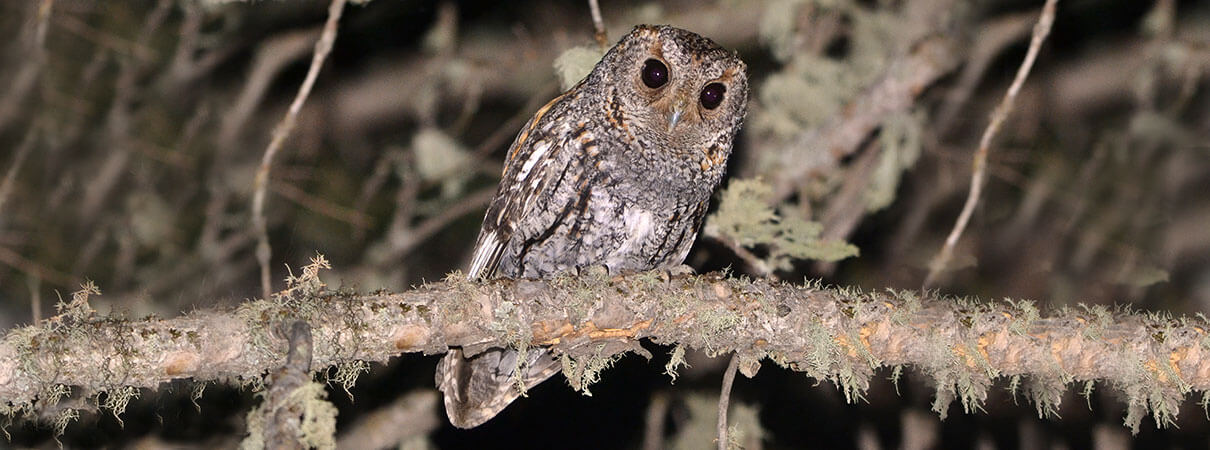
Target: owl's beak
[[679, 107]]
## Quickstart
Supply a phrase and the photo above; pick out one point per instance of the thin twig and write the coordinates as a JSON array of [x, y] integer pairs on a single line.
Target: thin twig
[[507, 130], [846, 208], [322, 48], [10, 177], [724, 399], [754, 263], [994, 35], [979, 172], [34, 269], [384, 167], [135, 48], [35, 298], [184, 57], [121, 118], [598, 24], [272, 55], [24, 83], [329, 209], [404, 240]]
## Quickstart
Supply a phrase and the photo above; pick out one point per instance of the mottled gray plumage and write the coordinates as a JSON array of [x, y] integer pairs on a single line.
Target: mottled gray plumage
[[612, 173]]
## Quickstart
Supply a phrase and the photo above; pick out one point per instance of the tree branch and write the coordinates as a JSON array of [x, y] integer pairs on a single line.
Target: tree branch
[[833, 334]]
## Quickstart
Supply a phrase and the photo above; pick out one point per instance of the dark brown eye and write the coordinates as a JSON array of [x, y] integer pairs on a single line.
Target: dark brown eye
[[655, 73], [712, 95]]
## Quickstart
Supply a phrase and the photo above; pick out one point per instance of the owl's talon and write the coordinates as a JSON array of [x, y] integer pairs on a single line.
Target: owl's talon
[[593, 271], [666, 274], [681, 270]]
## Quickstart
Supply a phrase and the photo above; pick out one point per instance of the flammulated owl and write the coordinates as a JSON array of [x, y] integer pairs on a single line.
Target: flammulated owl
[[616, 172]]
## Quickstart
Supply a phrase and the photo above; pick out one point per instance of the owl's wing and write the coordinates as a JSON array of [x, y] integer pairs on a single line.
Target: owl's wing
[[526, 168], [487, 255], [476, 388]]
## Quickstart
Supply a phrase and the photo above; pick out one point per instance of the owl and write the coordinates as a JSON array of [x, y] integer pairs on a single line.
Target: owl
[[616, 172]]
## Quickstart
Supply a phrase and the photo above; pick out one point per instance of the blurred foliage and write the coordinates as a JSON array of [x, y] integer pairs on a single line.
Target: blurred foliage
[[746, 217]]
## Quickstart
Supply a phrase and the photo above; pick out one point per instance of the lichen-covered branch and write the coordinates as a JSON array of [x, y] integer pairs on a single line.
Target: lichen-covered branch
[[834, 334]]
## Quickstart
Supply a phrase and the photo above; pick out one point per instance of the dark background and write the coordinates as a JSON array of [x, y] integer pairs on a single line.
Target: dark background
[[136, 170]]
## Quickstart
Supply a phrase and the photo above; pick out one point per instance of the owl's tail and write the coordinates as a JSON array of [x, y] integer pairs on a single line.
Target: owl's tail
[[479, 387]]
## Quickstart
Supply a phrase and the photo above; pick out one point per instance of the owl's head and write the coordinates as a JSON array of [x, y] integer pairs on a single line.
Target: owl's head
[[676, 88]]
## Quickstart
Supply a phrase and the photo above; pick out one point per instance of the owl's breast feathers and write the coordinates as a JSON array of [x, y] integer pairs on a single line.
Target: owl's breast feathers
[[573, 173], [581, 193]]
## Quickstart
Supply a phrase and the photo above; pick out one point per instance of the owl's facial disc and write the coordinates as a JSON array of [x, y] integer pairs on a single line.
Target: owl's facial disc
[[681, 89], [690, 104]]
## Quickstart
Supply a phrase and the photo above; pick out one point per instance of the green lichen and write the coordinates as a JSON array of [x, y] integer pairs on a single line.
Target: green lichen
[[747, 217], [317, 427], [1087, 392], [675, 304], [307, 284], [1026, 314], [195, 394], [812, 88], [1145, 276], [584, 291], [712, 325], [777, 29], [251, 383], [62, 419], [459, 306], [117, 399], [254, 425], [575, 63], [675, 360], [745, 430], [952, 378], [257, 315], [1205, 404], [901, 138], [896, 375], [1046, 393], [1014, 385], [319, 416], [346, 375], [514, 329], [78, 310], [698, 430], [584, 371], [828, 360]]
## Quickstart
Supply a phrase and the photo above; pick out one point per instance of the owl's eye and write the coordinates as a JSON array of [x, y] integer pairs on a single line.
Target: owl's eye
[[712, 95], [655, 73]]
